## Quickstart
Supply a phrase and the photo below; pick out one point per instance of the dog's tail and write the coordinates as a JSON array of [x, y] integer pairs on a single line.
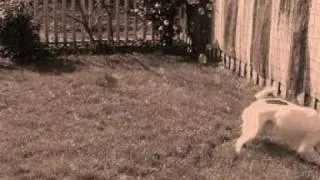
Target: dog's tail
[[266, 92]]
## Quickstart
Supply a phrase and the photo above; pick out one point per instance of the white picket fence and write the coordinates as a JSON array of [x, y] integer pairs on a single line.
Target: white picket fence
[[118, 23]]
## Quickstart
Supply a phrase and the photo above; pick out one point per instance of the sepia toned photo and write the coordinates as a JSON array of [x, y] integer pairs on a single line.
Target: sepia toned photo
[[159, 89]]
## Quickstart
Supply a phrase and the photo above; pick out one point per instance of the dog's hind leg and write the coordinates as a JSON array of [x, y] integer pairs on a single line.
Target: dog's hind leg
[[306, 149], [251, 127]]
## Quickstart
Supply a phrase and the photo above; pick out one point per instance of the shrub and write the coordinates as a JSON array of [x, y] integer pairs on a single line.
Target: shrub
[[163, 15], [19, 34]]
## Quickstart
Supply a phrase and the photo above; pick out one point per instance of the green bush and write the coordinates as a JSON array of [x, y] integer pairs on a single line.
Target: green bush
[[19, 34]]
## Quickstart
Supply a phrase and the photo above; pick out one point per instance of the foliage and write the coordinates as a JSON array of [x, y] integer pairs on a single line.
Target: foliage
[[163, 15], [19, 34]]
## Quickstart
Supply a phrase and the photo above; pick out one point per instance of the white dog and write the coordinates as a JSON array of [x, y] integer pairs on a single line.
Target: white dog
[[298, 126]]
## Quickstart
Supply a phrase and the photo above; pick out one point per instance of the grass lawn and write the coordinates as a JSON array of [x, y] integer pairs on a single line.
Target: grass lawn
[[114, 117]]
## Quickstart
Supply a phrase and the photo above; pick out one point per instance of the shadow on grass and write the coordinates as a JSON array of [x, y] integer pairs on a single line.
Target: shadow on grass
[[274, 150], [8, 67], [55, 65]]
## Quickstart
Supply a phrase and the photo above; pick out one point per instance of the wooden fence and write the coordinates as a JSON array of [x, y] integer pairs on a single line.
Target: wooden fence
[[110, 21], [274, 42]]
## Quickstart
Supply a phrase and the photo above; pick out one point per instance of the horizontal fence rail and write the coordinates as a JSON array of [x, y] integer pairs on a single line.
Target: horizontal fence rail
[[110, 22]]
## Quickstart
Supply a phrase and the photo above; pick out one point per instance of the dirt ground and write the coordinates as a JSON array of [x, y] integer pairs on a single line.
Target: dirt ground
[[132, 116]]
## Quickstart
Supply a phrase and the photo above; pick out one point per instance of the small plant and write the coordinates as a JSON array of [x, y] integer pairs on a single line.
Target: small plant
[[19, 34]]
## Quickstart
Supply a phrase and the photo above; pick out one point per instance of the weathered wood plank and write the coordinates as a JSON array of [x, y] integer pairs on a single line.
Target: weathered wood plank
[[36, 9], [243, 69], [276, 85], [262, 81], [99, 20], [228, 60], [126, 22], [117, 18], [135, 21], [90, 10], [109, 25], [83, 33], [317, 105], [254, 77], [231, 65], [248, 72], [73, 23], [238, 67], [64, 21], [269, 82], [313, 103], [55, 20], [46, 20], [283, 91]]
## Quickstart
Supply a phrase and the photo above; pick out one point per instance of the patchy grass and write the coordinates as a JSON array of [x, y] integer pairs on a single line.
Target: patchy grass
[[113, 117]]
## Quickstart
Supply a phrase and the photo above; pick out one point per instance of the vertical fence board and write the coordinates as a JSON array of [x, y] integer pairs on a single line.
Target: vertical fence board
[[238, 67], [185, 24], [46, 20], [109, 24], [262, 81], [73, 23], [254, 77], [64, 22], [180, 22], [277, 85], [126, 23], [55, 20], [228, 61], [313, 103], [243, 69], [144, 30], [301, 98], [83, 34], [283, 91], [117, 16], [269, 82], [249, 72], [317, 105], [231, 64], [90, 9], [35, 9], [135, 21], [290, 94], [99, 23]]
